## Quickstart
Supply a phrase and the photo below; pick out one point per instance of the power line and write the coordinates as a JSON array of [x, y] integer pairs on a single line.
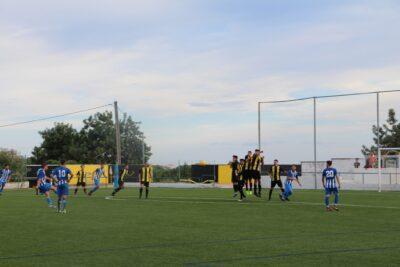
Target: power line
[[54, 116]]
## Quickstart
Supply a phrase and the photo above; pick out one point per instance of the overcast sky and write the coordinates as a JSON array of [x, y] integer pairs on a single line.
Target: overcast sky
[[193, 71]]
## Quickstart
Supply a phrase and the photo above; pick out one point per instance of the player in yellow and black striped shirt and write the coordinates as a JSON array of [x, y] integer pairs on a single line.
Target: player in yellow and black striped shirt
[[275, 173], [256, 164], [236, 173], [81, 180], [121, 180], [247, 177], [145, 177]]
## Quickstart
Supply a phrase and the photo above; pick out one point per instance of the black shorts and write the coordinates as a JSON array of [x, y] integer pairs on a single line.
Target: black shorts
[[83, 184], [256, 175], [276, 182], [146, 184], [246, 175], [235, 178]]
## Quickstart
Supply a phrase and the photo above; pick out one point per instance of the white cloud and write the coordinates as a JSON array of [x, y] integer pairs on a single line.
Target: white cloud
[[223, 72]]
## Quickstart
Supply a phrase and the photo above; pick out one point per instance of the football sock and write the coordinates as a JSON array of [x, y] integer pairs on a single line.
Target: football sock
[[327, 201], [147, 192], [259, 189], [76, 191], [49, 201], [140, 192], [93, 190], [64, 204], [84, 190], [270, 194], [336, 198]]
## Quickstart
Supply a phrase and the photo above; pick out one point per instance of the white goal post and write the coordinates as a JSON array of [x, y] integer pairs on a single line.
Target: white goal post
[[380, 162]]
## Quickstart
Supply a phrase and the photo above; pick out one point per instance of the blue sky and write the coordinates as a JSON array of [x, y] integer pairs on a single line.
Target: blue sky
[[193, 71]]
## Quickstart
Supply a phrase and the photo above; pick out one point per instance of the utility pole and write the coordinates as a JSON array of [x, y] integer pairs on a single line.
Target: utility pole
[[259, 125], [143, 152], [315, 142], [117, 134]]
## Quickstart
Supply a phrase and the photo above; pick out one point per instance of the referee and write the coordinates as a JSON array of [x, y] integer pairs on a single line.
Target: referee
[[275, 174], [145, 177]]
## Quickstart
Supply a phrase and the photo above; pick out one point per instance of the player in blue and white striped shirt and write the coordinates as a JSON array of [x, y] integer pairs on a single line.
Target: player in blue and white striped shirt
[[97, 174], [62, 175], [5, 175], [331, 183], [292, 175], [44, 184]]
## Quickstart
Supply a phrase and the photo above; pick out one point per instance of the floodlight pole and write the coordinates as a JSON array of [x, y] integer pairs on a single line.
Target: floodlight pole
[[259, 125], [117, 134], [315, 142], [378, 125]]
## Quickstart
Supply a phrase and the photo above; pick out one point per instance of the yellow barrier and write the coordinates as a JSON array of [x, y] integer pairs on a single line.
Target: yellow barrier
[[89, 169], [224, 174]]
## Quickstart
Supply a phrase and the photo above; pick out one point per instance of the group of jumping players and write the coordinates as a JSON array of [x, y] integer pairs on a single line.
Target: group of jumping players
[[61, 176], [246, 173]]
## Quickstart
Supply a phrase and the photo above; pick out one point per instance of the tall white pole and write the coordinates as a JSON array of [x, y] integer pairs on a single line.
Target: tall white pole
[[117, 133], [315, 143], [259, 125], [378, 125], [143, 152]]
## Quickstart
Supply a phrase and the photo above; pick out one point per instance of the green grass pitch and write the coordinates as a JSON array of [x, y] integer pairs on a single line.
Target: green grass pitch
[[200, 227]]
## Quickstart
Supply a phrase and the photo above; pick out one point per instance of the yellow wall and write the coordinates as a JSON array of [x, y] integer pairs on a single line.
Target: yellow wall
[[89, 169], [224, 174]]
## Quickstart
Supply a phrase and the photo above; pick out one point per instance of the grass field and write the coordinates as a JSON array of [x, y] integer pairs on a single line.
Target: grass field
[[203, 227]]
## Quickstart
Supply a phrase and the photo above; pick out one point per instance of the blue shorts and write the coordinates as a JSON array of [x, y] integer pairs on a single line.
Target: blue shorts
[[44, 188], [330, 191], [97, 182], [63, 190], [288, 187]]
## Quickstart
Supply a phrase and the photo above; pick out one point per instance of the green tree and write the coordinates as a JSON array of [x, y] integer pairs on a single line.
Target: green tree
[[60, 142], [98, 138], [17, 162], [132, 142], [95, 142], [389, 134]]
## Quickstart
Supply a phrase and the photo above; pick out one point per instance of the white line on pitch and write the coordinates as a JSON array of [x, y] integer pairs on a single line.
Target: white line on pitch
[[229, 201]]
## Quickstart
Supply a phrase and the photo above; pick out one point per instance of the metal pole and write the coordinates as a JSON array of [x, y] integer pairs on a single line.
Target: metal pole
[[143, 152], [179, 170], [378, 125], [259, 125], [117, 133], [315, 142]]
